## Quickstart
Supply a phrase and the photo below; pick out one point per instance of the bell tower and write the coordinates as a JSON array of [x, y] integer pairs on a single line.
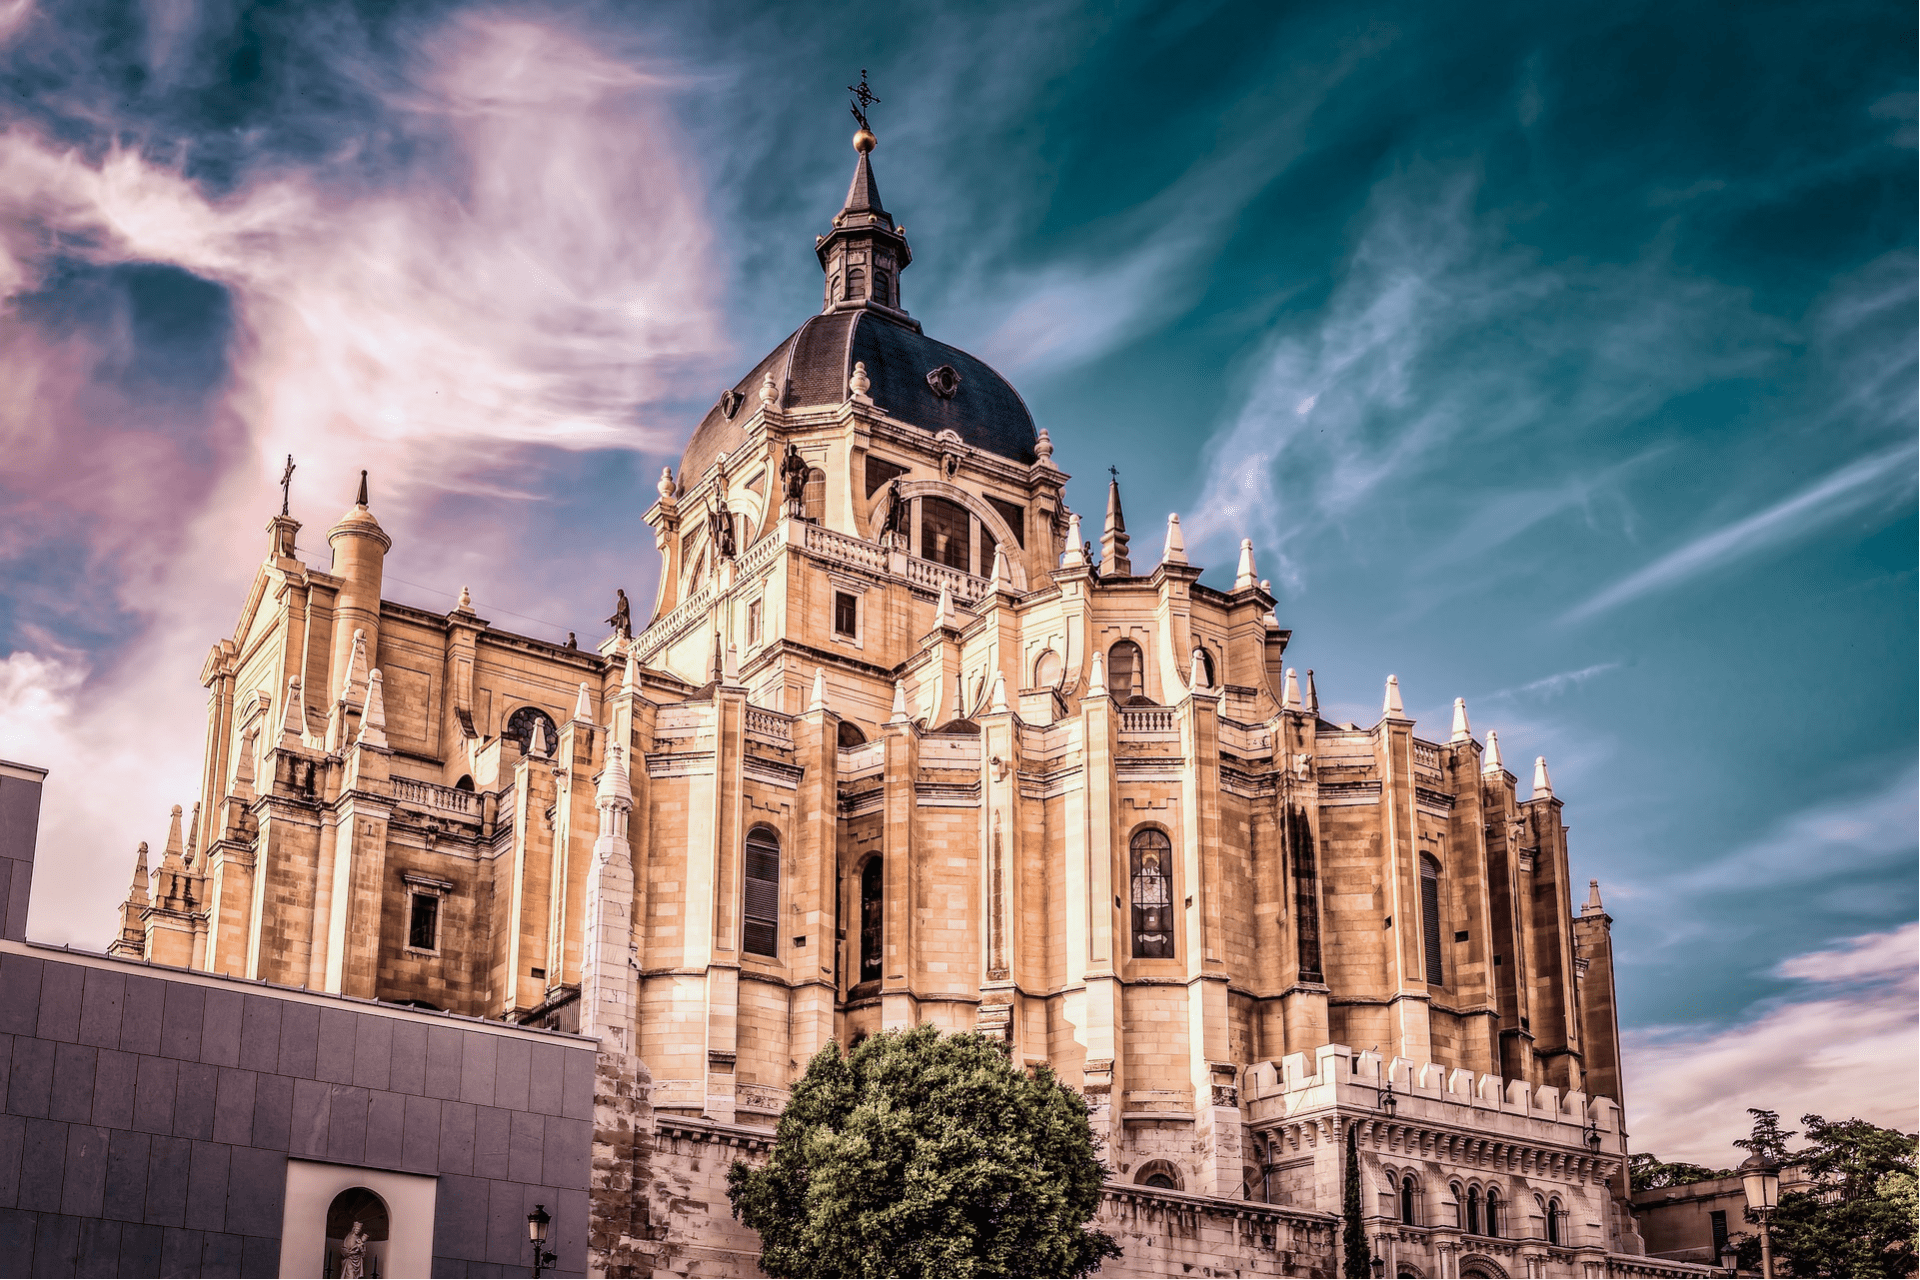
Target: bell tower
[[865, 252]]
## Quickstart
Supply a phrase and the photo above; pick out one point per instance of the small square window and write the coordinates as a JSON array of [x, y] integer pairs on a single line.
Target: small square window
[[846, 614], [423, 930]]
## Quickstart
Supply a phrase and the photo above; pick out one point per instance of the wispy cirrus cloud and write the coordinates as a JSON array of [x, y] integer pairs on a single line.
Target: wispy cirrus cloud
[[1881, 477]]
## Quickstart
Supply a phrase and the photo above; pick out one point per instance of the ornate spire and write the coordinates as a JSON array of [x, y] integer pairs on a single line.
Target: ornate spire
[[1462, 732], [1113, 536], [865, 252], [615, 790], [137, 893]]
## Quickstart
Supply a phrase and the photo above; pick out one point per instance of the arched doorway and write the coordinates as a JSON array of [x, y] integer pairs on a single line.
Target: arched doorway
[[357, 1228]]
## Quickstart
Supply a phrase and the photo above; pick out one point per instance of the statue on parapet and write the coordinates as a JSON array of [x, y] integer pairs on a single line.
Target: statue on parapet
[[720, 529], [622, 619], [793, 477], [895, 521]]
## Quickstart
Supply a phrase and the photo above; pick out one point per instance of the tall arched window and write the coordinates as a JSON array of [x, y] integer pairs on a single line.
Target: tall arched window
[[762, 905], [1126, 671], [882, 286], [856, 283], [1430, 917], [1407, 1198], [813, 498], [1493, 1212], [1473, 1212], [871, 912], [1553, 1222], [1152, 876], [946, 530], [1206, 669]]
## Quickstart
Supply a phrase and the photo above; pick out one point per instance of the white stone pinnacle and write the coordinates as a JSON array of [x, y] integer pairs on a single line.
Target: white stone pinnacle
[[583, 705], [1492, 763], [664, 486], [1001, 579], [1245, 576], [1313, 695], [859, 383], [293, 717], [899, 703], [819, 700], [1197, 671], [943, 612], [1393, 708], [1175, 551], [466, 601], [1097, 678], [1592, 907], [998, 704], [356, 677], [615, 788], [537, 740], [1075, 555], [1290, 699], [769, 390], [1461, 731], [373, 722], [1542, 785]]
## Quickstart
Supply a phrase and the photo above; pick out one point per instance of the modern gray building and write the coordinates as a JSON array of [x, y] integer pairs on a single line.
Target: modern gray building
[[160, 1121]]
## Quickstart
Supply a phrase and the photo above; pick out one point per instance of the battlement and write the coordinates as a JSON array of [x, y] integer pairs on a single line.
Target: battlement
[[1336, 1077]]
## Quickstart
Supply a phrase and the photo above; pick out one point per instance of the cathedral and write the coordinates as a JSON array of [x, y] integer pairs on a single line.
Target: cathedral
[[901, 742]]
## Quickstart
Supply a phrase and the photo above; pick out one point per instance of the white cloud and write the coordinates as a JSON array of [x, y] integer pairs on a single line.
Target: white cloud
[[1887, 474], [548, 281], [1847, 1050]]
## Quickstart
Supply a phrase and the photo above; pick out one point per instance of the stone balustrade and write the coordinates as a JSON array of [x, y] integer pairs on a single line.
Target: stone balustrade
[[439, 799]]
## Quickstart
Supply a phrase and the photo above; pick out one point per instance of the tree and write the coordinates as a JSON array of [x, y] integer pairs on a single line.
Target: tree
[[1857, 1219], [1768, 1140], [1356, 1253], [1646, 1171], [926, 1155]]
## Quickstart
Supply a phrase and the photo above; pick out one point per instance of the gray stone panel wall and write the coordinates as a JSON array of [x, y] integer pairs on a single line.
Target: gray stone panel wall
[[148, 1116], [19, 822]]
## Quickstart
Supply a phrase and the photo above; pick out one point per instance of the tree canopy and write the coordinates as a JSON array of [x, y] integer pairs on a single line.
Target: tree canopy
[[919, 1154], [1858, 1217]]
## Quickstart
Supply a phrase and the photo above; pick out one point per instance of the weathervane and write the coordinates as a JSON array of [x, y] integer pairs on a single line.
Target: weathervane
[[1115, 473], [286, 486], [863, 98]]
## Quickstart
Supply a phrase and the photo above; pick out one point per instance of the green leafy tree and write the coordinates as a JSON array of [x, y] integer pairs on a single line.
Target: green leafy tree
[[1858, 1219], [926, 1155], [1768, 1140], [1646, 1172], [1356, 1253]]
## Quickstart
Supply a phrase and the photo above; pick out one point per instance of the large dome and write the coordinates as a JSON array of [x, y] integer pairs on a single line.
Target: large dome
[[814, 363]]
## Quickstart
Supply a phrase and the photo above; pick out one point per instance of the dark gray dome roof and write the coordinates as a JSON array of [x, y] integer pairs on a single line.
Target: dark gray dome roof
[[812, 367]]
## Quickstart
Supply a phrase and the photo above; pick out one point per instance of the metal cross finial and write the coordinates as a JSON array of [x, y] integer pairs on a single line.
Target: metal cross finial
[[286, 486], [863, 98], [1115, 473]]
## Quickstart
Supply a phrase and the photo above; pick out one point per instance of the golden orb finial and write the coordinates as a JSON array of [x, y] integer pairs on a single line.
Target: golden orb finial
[[864, 141]]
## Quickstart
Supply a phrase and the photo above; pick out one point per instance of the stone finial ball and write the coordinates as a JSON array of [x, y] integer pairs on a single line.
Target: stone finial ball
[[863, 140]]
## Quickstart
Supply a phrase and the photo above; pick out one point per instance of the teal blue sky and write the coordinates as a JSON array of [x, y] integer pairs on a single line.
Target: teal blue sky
[[1560, 358]]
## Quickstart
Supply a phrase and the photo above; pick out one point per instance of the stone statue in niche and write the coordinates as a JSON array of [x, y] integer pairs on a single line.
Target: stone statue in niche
[[720, 529], [793, 477], [353, 1255]]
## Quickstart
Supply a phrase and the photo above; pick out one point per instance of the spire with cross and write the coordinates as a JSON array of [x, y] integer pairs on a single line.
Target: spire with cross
[[863, 98]]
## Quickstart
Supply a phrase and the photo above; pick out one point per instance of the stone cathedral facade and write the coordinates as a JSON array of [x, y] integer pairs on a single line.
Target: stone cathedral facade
[[901, 744]]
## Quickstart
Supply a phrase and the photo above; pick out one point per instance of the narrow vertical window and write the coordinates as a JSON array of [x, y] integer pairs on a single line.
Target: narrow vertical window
[[1553, 1226], [753, 622], [1152, 880], [813, 498], [882, 286], [846, 614], [1430, 917], [1124, 670], [1473, 1211], [1493, 1212], [1406, 1201], [856, 283], [871, 912], [762, 905], [1717, 1221], [423, 928]]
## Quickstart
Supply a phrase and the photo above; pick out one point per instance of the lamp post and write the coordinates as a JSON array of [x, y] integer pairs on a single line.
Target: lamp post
[[537, 1223], [1730, 1257], [1760, 1179]]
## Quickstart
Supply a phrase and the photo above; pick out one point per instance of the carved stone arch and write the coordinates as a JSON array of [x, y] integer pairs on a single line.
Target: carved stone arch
[[1479, 1264], [1158, 1173], [976, 506]]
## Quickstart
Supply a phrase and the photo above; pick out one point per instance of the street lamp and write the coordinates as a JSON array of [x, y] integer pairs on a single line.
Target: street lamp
[[537, 1223], [1730, 1257], [1760, 1179]]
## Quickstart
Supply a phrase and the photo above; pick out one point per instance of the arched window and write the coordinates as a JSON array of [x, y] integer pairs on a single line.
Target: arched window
[[882, 286], [1473, 1212], [813, 498], [850, 735], [465, 783], [1430, 917], [1158, 1173], [1206, 669], [761, 911], [520, 726], [1046, 670], [1407, 1196], [357, 1225], [872, 912], [856, 283], [1126, 671], [1553, 1222], [1493, 1212], [1152, 877], [946, 533]]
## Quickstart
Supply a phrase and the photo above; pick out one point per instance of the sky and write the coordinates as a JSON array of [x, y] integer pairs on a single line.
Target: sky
[[1560, 358]]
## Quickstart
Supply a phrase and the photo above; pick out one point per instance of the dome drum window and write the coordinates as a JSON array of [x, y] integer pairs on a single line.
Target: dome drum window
[[761, 906], [944, 381]]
